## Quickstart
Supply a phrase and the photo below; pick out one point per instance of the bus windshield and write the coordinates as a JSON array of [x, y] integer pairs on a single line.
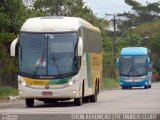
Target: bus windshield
[[48, 54], [133, 65]]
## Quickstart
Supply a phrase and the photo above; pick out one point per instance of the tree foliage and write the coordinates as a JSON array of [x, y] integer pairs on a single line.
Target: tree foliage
[[140, 13], [13, 13], [11, 16]]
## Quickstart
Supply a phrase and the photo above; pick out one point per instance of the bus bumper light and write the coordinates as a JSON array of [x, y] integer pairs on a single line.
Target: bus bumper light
[[20, 92], [74, 91]]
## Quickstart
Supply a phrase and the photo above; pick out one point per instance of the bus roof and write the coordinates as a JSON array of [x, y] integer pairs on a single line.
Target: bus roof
[[55, 24], [134, 51]]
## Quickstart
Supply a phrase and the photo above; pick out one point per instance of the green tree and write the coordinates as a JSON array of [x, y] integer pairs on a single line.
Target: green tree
[[9, 15], [74, 8], [12, 15], [140, 14], [155, 44]]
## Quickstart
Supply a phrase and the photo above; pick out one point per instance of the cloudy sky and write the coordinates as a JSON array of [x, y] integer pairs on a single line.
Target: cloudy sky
[[111, 6]]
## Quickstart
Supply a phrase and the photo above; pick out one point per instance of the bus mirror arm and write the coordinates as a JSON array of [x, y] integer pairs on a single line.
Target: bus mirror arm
[[13, 47], [80, 47]]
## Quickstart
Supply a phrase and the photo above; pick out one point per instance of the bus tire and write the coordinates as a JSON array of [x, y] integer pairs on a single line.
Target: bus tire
[[123, 87], [130, 87], [98, 86], [78, 101], [85, 99], [149, 86], [29, 102], [93, 98], [146, 87]]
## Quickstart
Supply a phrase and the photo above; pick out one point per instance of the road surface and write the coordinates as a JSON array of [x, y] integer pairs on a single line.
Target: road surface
[[136, 100]]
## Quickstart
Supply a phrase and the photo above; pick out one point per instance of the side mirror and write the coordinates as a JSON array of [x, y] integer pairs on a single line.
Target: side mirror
[[148, 61], [117, 62], [13, 47], [80, 47]]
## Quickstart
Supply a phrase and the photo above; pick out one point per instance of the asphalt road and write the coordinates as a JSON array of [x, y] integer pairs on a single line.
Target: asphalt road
[[136, 100]]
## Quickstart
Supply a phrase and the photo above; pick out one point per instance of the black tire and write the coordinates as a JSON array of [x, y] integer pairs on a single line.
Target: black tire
[[130, 87], [149, 86], [93, 98], [98, 86], [123, 87], [146, 87], [29, 102], [78, 101], [85, 99]]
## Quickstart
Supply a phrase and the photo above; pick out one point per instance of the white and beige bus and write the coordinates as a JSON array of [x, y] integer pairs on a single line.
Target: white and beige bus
[[60, 58]]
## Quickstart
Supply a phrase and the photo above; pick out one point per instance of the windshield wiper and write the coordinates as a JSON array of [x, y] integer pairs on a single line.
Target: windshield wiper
[[55, 63], [136, 71], [129, 71], [38, 67], [40, 60], [35, 72]]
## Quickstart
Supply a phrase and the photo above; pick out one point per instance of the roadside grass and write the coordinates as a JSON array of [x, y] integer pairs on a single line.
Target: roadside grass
[[109, 83], [6, 91]]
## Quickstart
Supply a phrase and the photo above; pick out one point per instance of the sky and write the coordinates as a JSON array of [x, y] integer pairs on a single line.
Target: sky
[[100, 7]]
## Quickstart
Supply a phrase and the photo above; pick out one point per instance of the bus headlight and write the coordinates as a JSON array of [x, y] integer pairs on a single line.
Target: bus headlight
[[72, 82], [123, 78], [22, 82], [20, 92]]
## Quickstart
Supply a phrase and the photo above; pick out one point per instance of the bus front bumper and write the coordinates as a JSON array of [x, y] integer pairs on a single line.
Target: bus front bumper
[[67, 92], [138, 83]]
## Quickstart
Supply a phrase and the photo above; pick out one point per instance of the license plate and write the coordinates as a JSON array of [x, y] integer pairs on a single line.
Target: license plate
[[47, 93]]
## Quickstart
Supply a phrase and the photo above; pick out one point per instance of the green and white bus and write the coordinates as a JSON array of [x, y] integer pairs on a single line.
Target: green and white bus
[[60, 58]]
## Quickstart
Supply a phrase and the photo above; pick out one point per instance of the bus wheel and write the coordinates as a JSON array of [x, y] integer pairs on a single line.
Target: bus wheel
[[130, 87], [123, 87], [145, 87], [150, 86], [93, 98], [78, 101], [85, 99], [29, 102]]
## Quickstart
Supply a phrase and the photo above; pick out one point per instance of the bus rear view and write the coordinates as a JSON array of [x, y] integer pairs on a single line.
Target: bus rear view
[[135, 68]]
